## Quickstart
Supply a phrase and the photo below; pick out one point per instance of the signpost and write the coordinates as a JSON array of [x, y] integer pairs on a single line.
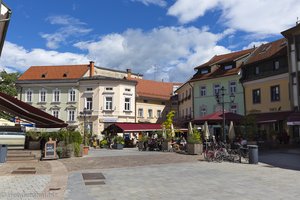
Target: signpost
[[50, 150]]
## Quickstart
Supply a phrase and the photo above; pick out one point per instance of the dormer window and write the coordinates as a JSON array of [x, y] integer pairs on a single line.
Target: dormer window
[[43, 76], [276, 65], [109, 89], [204, 71], [89, 89], [227, 67], [65, 75], [256, 70]]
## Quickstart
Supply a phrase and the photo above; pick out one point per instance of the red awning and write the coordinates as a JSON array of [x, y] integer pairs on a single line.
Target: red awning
[[218, 117], [264, 118], [134, 127], [25, 111]]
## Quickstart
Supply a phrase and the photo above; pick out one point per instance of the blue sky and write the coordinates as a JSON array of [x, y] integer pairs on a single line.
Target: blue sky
[[162, 39]]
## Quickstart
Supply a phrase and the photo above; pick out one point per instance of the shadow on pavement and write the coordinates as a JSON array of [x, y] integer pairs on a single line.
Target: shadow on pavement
[[286, 159]]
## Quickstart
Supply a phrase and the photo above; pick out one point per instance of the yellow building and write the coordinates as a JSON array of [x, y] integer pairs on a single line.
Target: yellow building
[[266, 88]]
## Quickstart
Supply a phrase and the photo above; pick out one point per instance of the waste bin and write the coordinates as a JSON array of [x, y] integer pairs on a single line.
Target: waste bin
[[3, 153], [253, 154]]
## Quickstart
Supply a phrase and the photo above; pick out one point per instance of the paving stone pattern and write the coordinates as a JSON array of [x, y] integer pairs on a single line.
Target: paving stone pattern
[[23, 187]]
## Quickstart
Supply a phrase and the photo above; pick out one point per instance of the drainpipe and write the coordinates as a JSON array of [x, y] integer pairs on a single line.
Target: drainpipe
[[193, 107]]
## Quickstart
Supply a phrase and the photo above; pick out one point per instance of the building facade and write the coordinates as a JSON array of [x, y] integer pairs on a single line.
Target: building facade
[[220, 71], [266, 87]]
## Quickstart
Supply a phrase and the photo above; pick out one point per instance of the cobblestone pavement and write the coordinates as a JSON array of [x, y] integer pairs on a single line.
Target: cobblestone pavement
[[158, 175], [23, 186], [104, 158]]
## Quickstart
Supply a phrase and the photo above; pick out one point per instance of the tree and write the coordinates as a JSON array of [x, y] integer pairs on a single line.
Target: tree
[[8, 82], [8, 86], [167, 124]]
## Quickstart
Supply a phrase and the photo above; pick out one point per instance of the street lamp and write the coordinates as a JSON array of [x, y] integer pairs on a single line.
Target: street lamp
[[84, 114], [220, 100]]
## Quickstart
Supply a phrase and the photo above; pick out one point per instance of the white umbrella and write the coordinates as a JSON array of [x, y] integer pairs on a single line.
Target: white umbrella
[[164, 132], [172, 130], [190, 128], [231, 134], [206, 131]]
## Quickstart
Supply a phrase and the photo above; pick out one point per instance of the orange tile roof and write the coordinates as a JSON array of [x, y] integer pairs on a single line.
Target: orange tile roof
[[269, 50], [219, 59], [54, 72], [154, 89]]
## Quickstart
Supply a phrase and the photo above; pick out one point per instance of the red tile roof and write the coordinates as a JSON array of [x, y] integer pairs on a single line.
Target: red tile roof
[[219, 59], [54, 72], [154, 89], [267, 51]]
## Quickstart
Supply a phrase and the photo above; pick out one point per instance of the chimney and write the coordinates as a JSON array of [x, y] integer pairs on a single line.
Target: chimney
[[128, 73], [92, 68]]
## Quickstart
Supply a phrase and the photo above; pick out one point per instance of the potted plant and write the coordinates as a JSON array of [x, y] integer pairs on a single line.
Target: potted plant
[[118, 142], [194, 143], [34, 140], [104, 143], [141, 142], [86, 147]]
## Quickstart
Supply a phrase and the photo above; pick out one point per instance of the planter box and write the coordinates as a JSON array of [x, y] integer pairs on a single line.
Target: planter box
[[166, 146], [118, 146], [86, 150], [34, 145], [194, 149]]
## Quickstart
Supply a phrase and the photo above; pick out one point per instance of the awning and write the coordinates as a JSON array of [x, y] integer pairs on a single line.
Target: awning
[[5, 14], [133, 127], [271, 117], [293, 119], [217, 117], [25, 111]]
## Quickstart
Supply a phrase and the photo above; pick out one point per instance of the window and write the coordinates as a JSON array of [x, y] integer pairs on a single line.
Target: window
[[227, 67], [150, 113], [204, 71], [127, 104], [108, 103], [190, 111], [256, 96], [217, 87], [203, 110], [55, 113], [43, 93], [29, 96], [109, 89], [163, 103], [232, 87], [127, 89], [203, 91], [72, 95], [71, 115], [233, 108], [89, 89], [276, 65], [256, 70], [275, 93], [158, 113], [89, 103], [56, 96], [140, 112], [145, 101], [182, 112]]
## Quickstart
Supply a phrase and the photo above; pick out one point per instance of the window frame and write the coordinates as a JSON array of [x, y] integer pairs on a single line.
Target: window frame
[[89, 103], [141, 113], [72, 95], [203, 91], [28, 96], [256, 100], [275, 97], [150, 113], [43, 93], [127, 105], [56, 95], [71, 115], [106, 106]]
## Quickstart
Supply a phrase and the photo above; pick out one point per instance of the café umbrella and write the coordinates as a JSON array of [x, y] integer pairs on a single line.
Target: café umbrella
[[206, 131], [231, 133]]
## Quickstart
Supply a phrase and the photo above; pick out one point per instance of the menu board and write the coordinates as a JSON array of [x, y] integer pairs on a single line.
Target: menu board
[[50, 150]]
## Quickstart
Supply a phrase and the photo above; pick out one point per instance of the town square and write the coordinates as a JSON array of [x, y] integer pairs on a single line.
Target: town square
[[149, 99]]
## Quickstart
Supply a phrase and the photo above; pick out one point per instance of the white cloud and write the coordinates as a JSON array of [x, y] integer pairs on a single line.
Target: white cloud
[[161, 3], [256, 44], [17, 57], [255, 16], [189, 10], [71, 27], [173, 50]]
